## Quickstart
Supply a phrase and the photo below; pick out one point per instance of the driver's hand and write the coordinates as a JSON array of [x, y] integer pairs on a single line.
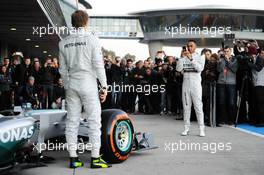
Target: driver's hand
[[102, 95], [188, 54]]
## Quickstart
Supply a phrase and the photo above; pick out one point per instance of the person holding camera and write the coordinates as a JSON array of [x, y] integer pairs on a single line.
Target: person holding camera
[[226, 88], [209, 78], [48, 77], [5, 88], [173, 87], [150, 98], [117, 78], [163, 80], [171, 84], [244, 83], [160, 55], [257, 68], [30, 93], [22, 72], [138, 74], [127, 102], [192, 65], [58, 95]]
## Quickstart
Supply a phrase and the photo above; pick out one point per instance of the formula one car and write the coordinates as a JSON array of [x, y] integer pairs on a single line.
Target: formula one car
[[21, 131]]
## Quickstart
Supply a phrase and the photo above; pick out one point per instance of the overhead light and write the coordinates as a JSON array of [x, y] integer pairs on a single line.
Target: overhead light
[[13, 29], [36, 45], [28, 39], [49, 55], [44, 51]]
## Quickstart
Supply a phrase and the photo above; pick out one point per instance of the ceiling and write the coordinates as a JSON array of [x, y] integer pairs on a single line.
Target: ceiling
[[23, 15]]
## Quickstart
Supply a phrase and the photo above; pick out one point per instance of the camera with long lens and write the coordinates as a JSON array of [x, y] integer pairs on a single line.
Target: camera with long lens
[[243, 62], [241, 49]]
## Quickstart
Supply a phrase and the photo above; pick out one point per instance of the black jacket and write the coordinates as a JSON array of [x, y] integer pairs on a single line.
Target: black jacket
[[128, 76], [117, 74], [5, 82], [21, 74], [49, 75], [59, 92], [29, 94], [138, 72], [108, 73], [210, 74], [37, 75], [151, 79]]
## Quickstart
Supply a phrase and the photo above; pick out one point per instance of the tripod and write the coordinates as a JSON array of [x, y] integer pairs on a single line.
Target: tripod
[[244, 88]]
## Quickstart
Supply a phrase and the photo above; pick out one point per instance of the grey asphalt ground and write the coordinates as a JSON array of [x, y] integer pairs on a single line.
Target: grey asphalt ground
[[245, 157]]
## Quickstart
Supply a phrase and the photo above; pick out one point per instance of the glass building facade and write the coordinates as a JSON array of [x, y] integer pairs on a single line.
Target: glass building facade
[[249, 23], [107, 26], [114, 27]]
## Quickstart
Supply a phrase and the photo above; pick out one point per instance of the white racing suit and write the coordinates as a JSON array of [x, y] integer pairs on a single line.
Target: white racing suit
[[81, 64], [192, 88]]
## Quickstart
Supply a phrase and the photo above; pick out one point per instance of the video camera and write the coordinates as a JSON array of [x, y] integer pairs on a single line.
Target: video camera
[[244, 51], [243, 62]]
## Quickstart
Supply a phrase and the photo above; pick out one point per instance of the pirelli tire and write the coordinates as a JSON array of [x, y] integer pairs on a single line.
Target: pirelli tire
[[117, 135]]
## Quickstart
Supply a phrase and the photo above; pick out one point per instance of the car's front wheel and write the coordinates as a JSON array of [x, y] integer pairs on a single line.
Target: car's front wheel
[[117, 135]]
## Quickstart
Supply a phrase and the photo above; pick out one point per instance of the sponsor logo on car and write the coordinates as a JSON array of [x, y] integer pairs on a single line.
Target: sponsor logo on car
[[16, 134]]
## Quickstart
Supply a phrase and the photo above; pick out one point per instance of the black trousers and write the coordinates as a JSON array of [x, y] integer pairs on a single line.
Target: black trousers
[[209, 101], [259, 103], [127, 101], [5, 100], [48, 97]]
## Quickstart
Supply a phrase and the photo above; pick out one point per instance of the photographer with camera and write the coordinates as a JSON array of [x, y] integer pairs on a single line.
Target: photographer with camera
[[127, 96], [5, 88], [257, 68], [246, 51], [171, 87], [138, 74], [150, 98], [209, 78], [226, 88], [160, 55], [48, 76], [192, 65], [30, 93], [117, 78]]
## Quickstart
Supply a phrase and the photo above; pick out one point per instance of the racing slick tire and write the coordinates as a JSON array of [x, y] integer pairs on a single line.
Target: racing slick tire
[[117, 135]]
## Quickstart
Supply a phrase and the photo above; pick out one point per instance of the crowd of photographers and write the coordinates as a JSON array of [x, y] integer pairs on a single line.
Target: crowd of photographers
[[23, 80], [232, 81]]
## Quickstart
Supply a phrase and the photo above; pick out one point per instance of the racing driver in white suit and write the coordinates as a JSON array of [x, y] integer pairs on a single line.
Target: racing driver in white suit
[[81, 64], [192, 64]]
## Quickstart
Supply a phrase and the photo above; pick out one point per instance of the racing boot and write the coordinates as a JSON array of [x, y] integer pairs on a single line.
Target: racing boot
[[202, 132], [99, 163], [186, 130], [75, 162]]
